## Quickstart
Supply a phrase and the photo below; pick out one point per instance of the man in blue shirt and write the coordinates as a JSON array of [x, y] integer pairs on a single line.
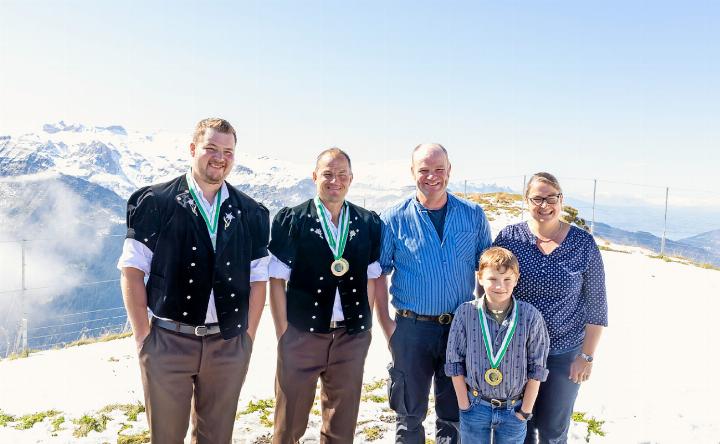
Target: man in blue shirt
[[431, 244]]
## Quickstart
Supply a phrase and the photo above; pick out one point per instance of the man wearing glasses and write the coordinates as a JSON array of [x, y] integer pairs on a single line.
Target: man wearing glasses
[[431, 244]]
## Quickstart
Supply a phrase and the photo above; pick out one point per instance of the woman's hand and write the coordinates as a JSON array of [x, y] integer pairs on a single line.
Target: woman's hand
[[580, 370]]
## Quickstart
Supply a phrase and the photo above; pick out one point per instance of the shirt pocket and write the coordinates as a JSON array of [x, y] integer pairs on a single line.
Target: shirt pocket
[[465, 246]]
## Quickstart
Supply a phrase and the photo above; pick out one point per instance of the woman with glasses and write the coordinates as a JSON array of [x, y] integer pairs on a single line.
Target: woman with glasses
[[562, 275]]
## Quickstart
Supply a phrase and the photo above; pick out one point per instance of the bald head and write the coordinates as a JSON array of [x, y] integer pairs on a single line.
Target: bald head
[[428, 149]]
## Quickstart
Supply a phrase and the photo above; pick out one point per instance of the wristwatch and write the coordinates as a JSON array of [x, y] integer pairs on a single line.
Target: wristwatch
[[587, 358], [527, 416]]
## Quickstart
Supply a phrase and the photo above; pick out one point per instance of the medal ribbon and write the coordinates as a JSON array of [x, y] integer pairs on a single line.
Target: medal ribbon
[[337, 247], [496, 358], [212, 225]]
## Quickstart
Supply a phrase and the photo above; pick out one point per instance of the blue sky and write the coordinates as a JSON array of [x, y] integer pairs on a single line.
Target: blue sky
[[623, 91]]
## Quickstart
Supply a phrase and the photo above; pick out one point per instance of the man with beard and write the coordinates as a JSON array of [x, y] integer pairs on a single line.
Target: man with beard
[[203, 245], [324, 262]]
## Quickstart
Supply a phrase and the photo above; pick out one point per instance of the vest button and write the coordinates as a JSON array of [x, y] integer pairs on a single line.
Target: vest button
[[351, 278], [192, 264], [316, 304], [232, 295], [228, 263], [312, 329], [184, 313], [188, 296], [229, 279], [319, 291], [321, 278], [194, 248], [236, 309], [190, 281], [313, 317]]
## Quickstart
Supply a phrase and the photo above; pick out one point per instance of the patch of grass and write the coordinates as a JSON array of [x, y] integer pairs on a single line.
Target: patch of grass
[[20, 355], [264, 439], [264, 406], [131, 411], [137, 438], [104, 338], [374, 398], [5, 419], [372, 433], [374, 385], [28, 421], [594, 426], [315, 412], [88, 423], [57, 422], [709, 266], [606, 248], [429, 441]]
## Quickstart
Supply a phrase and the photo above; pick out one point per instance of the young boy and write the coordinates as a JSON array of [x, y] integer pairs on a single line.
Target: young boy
[[496, 355]]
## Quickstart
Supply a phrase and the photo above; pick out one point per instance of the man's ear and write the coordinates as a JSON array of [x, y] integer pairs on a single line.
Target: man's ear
[[192, 149]]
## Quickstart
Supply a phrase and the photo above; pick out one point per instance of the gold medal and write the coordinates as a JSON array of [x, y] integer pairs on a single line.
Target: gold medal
[[339, 267], [493, 376]]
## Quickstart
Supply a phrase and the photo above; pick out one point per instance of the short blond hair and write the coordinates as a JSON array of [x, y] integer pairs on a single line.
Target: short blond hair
[[501, 259], [545, 178], [216, 123]]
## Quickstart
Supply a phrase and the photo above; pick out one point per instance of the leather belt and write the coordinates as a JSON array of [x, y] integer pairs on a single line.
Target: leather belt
[[337, 324], [497, 403], [179, 327], [443, 319]]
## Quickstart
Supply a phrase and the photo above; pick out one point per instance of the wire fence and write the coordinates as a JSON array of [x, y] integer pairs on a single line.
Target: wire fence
[[54, 292]]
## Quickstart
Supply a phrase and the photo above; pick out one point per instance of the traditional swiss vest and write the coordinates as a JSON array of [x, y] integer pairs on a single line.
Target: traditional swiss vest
[[185, 267], [299, 242]]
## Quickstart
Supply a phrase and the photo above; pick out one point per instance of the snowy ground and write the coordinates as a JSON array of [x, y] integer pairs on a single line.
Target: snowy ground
[[652, 381]]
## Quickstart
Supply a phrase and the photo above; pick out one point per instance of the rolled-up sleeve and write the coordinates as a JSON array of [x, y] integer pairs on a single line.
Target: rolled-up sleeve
[[538, 347], [136, 255], [278, 269], [387, 247], [456, 346], [593, 288], [259, 224], [259, 269]]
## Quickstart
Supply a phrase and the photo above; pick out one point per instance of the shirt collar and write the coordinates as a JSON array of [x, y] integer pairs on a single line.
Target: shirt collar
[[510, 310], [451, 201], [224, 194]]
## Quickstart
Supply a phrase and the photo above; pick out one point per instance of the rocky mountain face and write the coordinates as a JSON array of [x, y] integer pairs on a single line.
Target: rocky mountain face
[[62, 213]]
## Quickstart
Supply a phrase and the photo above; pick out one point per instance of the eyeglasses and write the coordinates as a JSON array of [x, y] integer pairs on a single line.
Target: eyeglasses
[[550, 200]]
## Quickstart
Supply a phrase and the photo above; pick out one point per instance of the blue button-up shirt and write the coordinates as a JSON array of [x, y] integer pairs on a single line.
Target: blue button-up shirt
[[431, 275], [525, 358], [567, 285]]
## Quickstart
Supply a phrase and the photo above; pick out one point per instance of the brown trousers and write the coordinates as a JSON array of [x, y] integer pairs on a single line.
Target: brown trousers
[[336, 358], [183, 374]]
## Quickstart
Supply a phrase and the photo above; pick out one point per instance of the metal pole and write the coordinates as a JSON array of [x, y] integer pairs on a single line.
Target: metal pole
[[23, 321], [465, 194], [522, 201], [662, 241], [592, 223]]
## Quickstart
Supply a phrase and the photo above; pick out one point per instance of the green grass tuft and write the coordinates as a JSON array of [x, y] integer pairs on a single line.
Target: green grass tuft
[[88, 423], [594, 426], [264, 406], [131, 411], [28, 421], [5, 419], [137, 438], [372, 433]]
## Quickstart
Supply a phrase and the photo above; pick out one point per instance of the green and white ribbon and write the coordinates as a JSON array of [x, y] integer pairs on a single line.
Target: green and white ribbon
[[337, 246], [495, 358], [211, 224]]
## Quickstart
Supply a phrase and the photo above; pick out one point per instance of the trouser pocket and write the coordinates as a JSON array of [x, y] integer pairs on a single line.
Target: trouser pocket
[[396, 390]]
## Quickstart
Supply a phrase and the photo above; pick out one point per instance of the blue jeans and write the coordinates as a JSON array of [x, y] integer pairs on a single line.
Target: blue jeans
[[481, 419], [418, 353], [555, 402]]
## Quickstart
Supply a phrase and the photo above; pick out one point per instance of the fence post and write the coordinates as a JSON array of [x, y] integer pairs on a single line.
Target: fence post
[[522, 201], [23, 334], [465, 193], [662, 241], [592, 223]]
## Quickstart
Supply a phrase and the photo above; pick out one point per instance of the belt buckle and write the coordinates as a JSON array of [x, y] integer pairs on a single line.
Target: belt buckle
[[445, 318], [201, 330], [496, 403]]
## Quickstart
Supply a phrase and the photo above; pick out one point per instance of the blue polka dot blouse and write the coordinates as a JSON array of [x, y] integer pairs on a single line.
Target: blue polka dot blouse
[[567, 286]]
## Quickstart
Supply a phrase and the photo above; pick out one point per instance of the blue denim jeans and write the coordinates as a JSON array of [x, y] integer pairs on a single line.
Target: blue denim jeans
[[555, 402], [418, 353], [481, 420]]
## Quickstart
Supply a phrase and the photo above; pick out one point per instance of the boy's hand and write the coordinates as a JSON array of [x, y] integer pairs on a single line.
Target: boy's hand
[[464, 404], [520, 417]]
